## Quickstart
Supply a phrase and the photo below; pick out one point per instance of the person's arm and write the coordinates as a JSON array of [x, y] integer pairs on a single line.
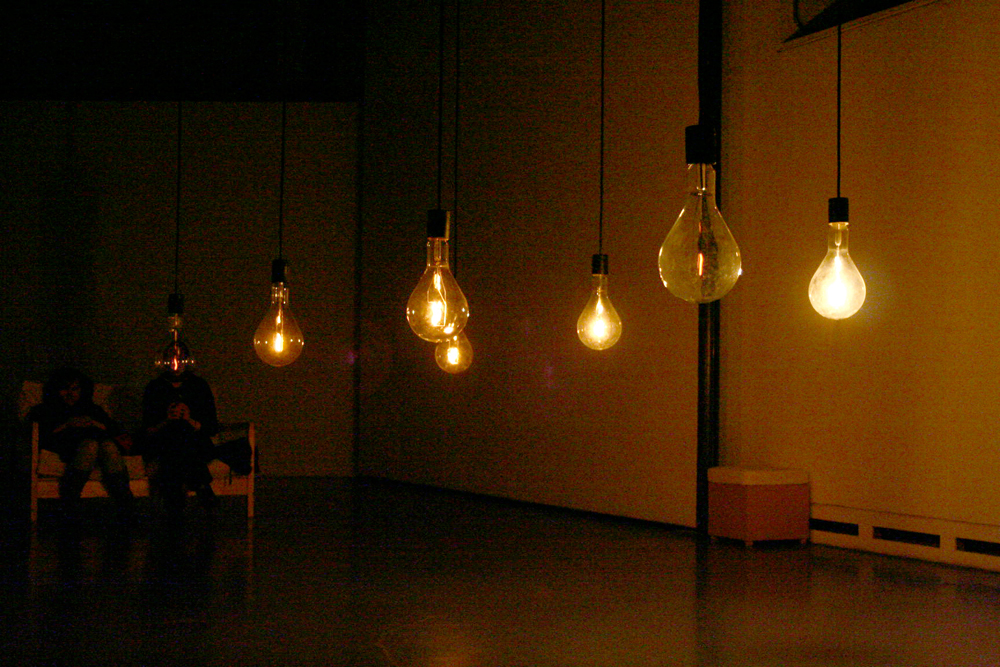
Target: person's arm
[[203, 410], [99, 418], [80, 421], [153, 412], [183, 411]]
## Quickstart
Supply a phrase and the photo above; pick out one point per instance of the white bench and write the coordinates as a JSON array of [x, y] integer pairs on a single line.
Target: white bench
[[47, 468]]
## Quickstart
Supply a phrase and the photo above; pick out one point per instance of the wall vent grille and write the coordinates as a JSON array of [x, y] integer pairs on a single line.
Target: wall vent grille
[[977, 546], [906, 536], [936, 539], [839, 527]]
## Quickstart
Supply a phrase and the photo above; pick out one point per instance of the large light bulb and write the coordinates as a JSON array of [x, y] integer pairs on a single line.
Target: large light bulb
[[437, 309], [837, 289], [455, 354], [699, 259], [599, 326], [278, 340]]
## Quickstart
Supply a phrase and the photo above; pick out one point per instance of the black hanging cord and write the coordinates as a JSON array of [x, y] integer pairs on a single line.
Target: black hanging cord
[[177, 205], [600, 215], [440, 155], [281, 182], [458, 63], [839, 50]]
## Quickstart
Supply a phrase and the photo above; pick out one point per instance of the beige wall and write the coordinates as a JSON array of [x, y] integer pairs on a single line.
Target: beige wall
[[538, 417], [88, 213], [895, 409]]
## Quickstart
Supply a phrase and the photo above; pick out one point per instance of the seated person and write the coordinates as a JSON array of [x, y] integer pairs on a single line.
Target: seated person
[[83, 435], [178, 422]]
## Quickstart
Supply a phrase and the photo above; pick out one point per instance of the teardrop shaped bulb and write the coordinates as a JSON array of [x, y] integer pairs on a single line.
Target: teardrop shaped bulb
[[437, 310], [599, 326], [837, 289], [278, 340], [455, 354], [699, 259]]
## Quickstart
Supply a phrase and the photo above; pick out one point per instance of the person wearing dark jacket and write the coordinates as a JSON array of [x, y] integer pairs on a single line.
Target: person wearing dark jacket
[[178, 422], [83, 435]]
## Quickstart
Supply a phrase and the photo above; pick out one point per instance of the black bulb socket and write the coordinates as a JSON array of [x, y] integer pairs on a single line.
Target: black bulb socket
[[175, 304], [839, 209], [278, 268], [438, 224], [701, 144], [599, 265]]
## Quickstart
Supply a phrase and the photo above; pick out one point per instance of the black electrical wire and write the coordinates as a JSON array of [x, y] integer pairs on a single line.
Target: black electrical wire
[[177, 203], [440, 155], [458, 63], [600, 215], [839, 58], [281, 183]]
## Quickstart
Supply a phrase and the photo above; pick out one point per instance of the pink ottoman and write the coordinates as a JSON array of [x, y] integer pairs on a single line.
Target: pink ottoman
[[754, 504]]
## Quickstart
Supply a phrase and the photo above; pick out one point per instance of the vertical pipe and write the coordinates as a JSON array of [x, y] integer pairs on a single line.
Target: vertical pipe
[[709, 314]]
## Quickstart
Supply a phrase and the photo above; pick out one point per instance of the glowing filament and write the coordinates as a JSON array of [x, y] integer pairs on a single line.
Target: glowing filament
[[437, 313], [599, 329]]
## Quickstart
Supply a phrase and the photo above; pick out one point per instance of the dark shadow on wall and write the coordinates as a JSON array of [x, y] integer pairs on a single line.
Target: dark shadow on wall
[[813, 17], [48, 264]]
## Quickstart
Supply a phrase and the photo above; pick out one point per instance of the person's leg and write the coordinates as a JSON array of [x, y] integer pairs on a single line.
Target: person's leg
[[190, 451], [75, 477], [202, 484], [165, 476], [167, 486], [196, 473], [114, 475]]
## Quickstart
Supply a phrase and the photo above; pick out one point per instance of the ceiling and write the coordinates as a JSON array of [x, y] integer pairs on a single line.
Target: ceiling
[[294, 50]]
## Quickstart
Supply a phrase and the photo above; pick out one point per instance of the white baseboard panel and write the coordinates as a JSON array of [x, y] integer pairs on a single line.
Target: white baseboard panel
[[940, 540]]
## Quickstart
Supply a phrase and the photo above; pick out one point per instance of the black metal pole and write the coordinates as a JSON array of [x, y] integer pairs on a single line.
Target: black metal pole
[[709, 314]]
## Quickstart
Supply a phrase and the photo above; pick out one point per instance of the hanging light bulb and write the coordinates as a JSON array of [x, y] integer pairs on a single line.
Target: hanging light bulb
[[455, 354], [278, 340], [699, 259], [437, 309], [599, 326], [175, 357], [837, 289]]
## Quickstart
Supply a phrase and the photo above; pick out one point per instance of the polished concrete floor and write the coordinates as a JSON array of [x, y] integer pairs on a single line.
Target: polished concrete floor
[[379, 574]]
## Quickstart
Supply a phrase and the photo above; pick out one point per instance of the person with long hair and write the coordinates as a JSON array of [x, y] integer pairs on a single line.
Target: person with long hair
[[84, 436]]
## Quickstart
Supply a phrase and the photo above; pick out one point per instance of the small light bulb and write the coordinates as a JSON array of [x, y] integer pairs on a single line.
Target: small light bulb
[[837, 289], [437, 309], [175, 358], [699, 260], [455, 354], [278, 340], [599, 326]]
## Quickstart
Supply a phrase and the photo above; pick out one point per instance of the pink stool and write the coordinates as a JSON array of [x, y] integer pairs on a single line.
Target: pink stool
[[753, 504]]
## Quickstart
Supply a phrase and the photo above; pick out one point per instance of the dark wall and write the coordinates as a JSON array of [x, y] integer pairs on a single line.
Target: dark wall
[[88, 202]]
